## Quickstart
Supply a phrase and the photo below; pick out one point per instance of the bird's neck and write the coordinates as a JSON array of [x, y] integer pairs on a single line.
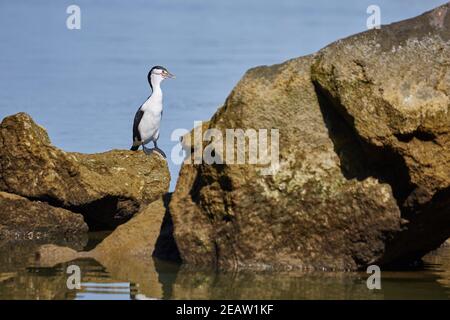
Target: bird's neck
[[157, 92]]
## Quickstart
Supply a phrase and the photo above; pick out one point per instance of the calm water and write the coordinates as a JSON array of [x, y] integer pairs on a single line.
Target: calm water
[[21, 279], [85, 85]]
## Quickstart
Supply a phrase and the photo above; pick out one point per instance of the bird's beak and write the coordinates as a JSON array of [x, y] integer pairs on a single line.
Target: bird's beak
[[170, 75]]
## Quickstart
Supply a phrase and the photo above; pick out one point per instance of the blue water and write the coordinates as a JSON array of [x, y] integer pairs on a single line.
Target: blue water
[[85, 85]]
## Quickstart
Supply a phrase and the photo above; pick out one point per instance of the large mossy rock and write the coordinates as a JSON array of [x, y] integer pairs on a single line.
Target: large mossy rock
[[107, 188], [392, 89], [364, 159], [306, 215]]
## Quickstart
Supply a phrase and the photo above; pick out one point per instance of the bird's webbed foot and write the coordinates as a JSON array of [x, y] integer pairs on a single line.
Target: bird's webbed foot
[[160, 151], [149, 151]]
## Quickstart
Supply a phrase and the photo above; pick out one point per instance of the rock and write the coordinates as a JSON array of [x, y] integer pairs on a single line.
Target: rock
[[364, 159], [22, 219], [133, 242], [107, 188], [135, 239], [391, 87], [307, 215], [49, 255]]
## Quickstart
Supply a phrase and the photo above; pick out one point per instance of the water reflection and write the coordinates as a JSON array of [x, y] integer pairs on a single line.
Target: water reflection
[[137, 279]]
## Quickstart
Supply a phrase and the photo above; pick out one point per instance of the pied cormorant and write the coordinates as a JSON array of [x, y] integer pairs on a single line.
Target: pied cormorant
[[148, 117]]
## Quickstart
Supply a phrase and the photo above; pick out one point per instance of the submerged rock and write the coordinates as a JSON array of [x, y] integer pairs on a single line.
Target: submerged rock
[[364, 159], [107, 188]]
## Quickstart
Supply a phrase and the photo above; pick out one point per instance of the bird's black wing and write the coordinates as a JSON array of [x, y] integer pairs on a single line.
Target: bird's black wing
[[137, 120]]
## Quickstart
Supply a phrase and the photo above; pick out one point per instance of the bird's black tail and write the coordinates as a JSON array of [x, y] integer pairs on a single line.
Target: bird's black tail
[[134, 148]]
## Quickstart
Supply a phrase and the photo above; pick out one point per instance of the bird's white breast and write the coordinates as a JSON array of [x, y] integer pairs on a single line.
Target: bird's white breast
[[149, 125]]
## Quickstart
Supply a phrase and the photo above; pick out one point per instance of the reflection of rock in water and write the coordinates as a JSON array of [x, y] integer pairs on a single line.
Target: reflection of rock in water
[[265, 285], [37, 284], [140, 273], [51, 282], [150, 279], [20, 281], [191, 284], [18, 255], [167, 275], [439, 261], [133, 242]]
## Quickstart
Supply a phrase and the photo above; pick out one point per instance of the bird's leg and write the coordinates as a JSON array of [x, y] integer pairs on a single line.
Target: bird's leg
[[159, 150], [147, 151]]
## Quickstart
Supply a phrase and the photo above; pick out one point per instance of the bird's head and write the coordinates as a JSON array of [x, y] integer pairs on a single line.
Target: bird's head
[[157, 74]]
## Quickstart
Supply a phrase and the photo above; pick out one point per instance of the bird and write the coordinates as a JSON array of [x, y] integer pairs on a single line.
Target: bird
[[148, 117]]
